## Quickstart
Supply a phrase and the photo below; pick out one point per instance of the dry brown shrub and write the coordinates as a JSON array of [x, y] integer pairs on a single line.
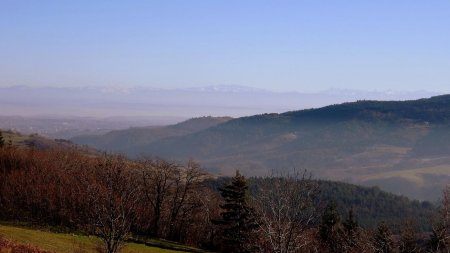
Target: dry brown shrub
[[7, 246]]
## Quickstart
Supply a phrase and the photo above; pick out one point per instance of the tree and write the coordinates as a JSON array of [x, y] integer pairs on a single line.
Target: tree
[[408, 237], [351, 229], [330, 229], [2, 140], [112, 199], [157, 179], [237, 218], [440, 237], [284, 205], [383, 241], [185, 198]]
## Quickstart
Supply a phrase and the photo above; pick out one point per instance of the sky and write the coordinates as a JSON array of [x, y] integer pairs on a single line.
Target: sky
[[280, 45]]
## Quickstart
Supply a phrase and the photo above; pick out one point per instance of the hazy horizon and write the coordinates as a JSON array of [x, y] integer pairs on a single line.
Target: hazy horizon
[[287, 46], [176, 104]]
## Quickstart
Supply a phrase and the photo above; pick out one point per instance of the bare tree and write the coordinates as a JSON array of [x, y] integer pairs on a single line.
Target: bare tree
[[446, 215], [408, 237], [440, 238], [157, 181], [184, 197], [285, 209], [112, 195]]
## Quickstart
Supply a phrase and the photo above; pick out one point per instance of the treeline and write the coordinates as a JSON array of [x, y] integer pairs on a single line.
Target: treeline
[[373, 205], [106, 195], [119, 199]]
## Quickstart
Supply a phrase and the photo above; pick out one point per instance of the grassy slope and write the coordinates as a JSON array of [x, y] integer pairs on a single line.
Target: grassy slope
[[67, 243], [24, 141], [17, 140]]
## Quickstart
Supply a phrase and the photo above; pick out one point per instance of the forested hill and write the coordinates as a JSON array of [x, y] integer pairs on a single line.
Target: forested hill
[[432, 110], [129, 140], [371, 205], [402, 146]]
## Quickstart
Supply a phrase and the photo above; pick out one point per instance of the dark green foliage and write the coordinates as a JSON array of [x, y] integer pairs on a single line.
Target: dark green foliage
[[351, 228], [330, 229], [351, 224], [383, 239], [370, 204], [237, 221], [373, 205]]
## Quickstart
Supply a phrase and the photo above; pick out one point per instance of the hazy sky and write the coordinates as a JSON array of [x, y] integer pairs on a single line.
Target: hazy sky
[[277, 45]]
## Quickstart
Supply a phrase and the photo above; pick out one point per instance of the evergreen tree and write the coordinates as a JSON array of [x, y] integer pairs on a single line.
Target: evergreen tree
[[331, 229], [383, 241], [237, 220], [351, 228]]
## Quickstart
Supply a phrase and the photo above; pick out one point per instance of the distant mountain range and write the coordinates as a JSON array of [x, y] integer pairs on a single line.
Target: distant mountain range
[[181, 104], [402, 146]]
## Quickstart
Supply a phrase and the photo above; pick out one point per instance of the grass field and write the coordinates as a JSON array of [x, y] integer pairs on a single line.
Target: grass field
[[17, 140], [69, 243], [413, 175]]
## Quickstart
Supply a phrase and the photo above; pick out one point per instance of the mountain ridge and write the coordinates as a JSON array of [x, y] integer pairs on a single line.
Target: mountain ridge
[[364, 142]]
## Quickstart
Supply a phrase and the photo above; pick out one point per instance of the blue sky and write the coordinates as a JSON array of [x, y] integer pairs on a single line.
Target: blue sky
[[277, 45]]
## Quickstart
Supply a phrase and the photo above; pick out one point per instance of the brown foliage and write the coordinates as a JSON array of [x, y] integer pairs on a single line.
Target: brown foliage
[[75, 190], [7, 246]]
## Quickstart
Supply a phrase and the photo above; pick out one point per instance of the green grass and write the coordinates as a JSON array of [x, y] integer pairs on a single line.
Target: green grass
[[69, 243]]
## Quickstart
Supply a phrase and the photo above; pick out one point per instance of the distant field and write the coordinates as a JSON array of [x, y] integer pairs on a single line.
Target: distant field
[[16, 139], [421, 183], [416, 176], [69, 243]]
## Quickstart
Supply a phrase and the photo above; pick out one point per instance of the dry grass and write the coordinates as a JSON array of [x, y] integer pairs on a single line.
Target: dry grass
[[7, 246], [413, 175]]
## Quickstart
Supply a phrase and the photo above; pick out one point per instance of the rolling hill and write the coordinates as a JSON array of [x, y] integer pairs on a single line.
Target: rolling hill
[[130, 140], [21, 140], [401, 146]]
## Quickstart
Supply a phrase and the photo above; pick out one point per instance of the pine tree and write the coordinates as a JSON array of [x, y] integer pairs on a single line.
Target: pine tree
[[237, 220], [351, 228], [331, 229], [383, 241]]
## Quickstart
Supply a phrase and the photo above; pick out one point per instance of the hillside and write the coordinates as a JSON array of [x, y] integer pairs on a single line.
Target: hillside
[[68, 243], [370, 204], [402, 146], [20, 140], [130, 140]]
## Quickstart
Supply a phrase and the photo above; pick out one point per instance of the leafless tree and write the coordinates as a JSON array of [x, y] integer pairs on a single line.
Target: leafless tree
[[408, 237], [284, 206], [440, 239], [112, 196], [446, 214], [157, 182], [185, 197]]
